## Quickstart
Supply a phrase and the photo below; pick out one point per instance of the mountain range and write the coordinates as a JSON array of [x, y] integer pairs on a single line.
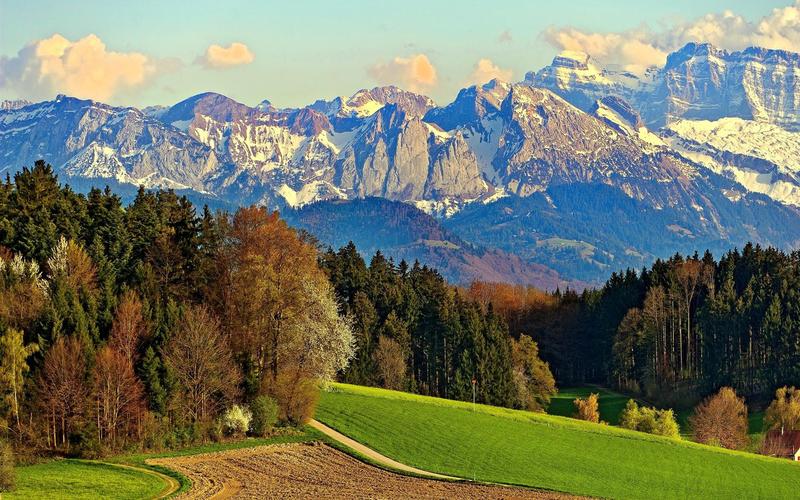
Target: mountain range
[[576, 171]]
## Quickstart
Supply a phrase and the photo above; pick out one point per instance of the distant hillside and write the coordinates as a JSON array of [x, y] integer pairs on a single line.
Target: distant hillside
[[402, 231]]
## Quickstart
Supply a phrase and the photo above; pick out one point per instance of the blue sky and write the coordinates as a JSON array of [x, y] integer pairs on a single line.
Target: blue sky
[[303, 50]]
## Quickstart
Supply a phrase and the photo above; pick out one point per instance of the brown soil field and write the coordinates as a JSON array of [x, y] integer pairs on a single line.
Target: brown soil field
[[294, 471]]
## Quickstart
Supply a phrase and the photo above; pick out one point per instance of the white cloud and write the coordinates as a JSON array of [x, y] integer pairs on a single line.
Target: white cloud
[[219, 57], [83, 68], [636, 49], [415, 73], [485, 70]]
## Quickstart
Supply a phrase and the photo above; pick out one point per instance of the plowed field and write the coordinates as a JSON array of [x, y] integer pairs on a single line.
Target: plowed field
[[315, 471]]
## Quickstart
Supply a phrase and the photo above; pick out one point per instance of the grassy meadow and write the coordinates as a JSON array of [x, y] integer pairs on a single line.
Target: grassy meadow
[[82, 479], [546, 451], [79, 479], [610, 403]]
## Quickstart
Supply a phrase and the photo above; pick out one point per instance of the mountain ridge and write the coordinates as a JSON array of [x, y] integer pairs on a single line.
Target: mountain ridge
[[571, 125]]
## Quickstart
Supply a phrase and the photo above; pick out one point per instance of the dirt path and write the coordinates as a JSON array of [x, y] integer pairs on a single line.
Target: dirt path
[[171, 485], [300, 471], [372, 454]]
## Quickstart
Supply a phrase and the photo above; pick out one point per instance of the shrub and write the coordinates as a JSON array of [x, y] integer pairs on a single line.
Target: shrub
[[721, 418], [265, 415], [391, 363], [784, 411], [7, 476], [666, 425], [649, 420], [588, 409], [297, 398], [237, 420], [216, 430]]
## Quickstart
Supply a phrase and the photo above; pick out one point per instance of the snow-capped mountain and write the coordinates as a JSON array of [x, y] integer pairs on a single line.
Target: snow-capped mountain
[[701, 82], [698, 82], [762, 157], [523, 148], [579, 79], [89, 139]]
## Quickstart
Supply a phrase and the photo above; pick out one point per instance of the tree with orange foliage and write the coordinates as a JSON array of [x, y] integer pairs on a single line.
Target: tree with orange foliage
[[23, 291], [71, 263], [129, 327], [282, 314], [588, 409], [721, 419], [118, 394], [62, 389]]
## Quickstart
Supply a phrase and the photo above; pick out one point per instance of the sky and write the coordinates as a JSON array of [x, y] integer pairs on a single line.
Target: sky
[[147, 52]]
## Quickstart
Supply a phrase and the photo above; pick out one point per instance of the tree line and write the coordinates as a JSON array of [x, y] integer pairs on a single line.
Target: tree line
[[417, 333], [672, 333]]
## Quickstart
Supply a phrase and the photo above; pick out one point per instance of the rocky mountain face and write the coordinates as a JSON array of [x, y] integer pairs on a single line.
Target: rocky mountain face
[[579, 168], [576, 77], [88, 139], [762, 157], [14, 104], [701, 82], [698, 82]]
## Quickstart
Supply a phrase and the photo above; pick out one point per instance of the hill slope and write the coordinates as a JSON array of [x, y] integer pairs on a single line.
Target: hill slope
[[402, 231], [515, 447]]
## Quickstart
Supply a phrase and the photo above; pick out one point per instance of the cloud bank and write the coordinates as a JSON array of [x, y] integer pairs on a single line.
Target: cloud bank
[[84, 68], [219, 57], [415, 73], [637, 49]]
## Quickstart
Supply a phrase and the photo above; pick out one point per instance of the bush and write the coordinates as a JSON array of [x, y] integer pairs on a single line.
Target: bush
[[216, 431], [649, 420], [83, 443], [237, 420], [588, 409], [7, 476], [297, 398], [265, 415]]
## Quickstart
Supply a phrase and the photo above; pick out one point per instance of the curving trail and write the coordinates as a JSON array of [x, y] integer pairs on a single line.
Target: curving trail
[[372, 454], [171, 485]]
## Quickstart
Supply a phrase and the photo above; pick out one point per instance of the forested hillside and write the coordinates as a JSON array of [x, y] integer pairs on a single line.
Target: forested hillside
[[151, 326]]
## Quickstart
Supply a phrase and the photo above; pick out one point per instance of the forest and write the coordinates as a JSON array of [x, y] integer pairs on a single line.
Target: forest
[[671, 333], [156, 325]]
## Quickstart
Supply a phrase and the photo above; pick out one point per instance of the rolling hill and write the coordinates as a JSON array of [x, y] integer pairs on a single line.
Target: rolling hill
[[516, 447]]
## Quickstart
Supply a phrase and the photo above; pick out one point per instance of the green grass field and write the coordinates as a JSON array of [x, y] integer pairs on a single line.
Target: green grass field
[[611, 403], [79, 479], [546, 451]]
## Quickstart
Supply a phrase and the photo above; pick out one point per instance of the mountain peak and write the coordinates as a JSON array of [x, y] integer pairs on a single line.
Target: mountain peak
[[572, 59], [692, 50], [211, 104]]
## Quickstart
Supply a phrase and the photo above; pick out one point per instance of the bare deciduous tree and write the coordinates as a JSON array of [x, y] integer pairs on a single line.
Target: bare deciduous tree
[[62, 389], [200, 357], [118, 395], [129, 327], [391, 363]]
